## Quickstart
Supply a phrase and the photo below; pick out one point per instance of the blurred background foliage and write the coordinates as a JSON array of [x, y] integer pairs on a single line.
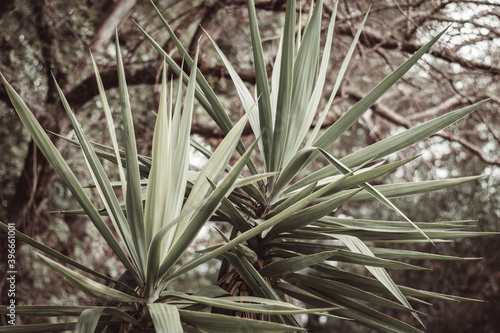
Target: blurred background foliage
[[40, 37]]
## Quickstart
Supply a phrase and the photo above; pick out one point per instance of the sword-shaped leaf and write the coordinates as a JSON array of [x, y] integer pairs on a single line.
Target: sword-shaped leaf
[[89, 286], [250, 304], [244, 94], [87, 322], [160, 176], [111, 126], [290, 265], [413, 188], [170, 164], [370, 189], [90, 318], [165, 318], [216, 323], [309, 112], [338, 81], [286, 83], [355, 245], [264, 100], [133, 197]]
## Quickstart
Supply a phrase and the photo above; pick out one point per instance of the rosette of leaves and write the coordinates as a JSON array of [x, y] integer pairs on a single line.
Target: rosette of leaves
[[285, 238], [154, 223], [285, 241]]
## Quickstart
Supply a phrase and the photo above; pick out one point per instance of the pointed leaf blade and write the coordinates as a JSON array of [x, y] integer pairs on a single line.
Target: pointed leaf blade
[[133, 196], [89, 286], [165, 317], [264, 100]]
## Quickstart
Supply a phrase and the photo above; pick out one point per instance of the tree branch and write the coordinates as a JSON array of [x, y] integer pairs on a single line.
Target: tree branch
[[115, 13]]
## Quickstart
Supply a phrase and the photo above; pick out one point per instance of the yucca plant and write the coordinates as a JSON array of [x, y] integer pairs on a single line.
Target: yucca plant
[[285, 237], [151, 239], [286, 222]]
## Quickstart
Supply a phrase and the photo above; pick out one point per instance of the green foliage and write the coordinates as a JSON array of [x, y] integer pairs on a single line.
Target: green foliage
[[284, 239]]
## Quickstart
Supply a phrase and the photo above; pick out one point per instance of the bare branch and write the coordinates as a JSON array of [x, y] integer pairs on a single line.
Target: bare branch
[[450, 103], [115, 14]]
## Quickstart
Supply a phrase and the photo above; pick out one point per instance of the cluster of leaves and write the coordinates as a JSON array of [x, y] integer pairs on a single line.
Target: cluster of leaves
[[284, 240]]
